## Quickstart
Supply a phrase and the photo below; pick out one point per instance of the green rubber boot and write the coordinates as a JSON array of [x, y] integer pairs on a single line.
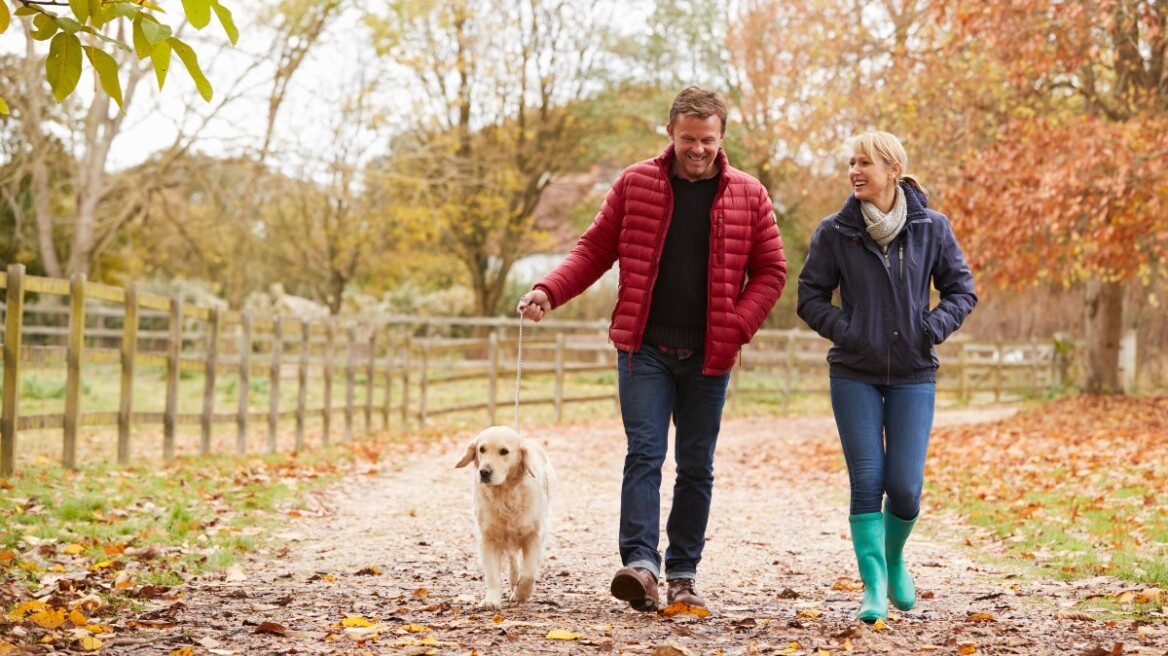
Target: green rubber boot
[[901, 590], [868, 541]]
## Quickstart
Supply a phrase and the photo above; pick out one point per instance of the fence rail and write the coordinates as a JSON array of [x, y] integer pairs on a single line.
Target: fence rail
[[399, 368]]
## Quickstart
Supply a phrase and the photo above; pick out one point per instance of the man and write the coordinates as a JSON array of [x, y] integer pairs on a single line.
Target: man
[[701, 265]]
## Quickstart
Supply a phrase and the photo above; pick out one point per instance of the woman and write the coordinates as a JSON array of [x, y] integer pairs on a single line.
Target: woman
[[883, 250]]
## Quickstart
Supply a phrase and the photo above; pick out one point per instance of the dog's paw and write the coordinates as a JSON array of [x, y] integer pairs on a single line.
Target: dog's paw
[[523, 589], [491, 602]]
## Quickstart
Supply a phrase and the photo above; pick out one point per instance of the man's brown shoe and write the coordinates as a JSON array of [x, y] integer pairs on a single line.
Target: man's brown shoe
[[636, 586], [682, 591]]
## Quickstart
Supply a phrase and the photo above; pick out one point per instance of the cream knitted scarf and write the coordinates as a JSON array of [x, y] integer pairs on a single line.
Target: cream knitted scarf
[[884, 227]]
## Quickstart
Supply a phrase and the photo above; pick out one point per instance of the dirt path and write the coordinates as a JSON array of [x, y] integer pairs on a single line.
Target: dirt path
[[396, 547]]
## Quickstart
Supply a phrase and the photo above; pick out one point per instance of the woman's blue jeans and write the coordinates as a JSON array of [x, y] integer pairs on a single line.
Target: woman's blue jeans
[[655, 386], [884, 430]]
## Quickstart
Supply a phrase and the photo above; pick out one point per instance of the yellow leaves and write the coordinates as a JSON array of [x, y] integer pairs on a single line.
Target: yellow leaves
[[848, 584], [183, 651], [77, 618], [49, 618], [981, 617], [880, 625], [809, 613], [966, 648], [89, 643], [792, 648], [24, 609], [73, 549], [681, 608], [6, 647], [356, 622], [497, 619], [560, 634], [415, 628]]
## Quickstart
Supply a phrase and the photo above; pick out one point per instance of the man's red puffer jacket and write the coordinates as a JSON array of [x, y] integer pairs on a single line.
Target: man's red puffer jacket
[[747, 268]]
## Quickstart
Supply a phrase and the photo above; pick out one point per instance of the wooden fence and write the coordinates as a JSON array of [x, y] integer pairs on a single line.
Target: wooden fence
[[399, 370]]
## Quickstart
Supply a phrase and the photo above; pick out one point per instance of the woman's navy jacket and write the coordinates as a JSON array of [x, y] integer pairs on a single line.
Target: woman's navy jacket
[[883, 332]]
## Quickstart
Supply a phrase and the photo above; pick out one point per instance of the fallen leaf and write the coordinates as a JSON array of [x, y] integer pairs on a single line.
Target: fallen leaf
[[808, 612], [271, 627], [1149, 595], [1117, 650], [966, 648], [420, 593], [880, 625], [848, 584], [73, 549], [981, 617], [183, 651], [670, 650], [49, 618], [681, 608], [356, 622], [792, 648], [416, 628], [559, 634], [90, 643]]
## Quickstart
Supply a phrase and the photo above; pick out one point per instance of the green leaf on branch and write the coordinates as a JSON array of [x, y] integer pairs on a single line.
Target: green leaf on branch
[[122, 10], [43, 27], [155, 32], [226, 20], [3, 107], [63, 66], [191, 61], [67, 24], [161, 60], [28, 10], [107, 73], [80, 9], [5, 17], [198, 13], [142, 46]]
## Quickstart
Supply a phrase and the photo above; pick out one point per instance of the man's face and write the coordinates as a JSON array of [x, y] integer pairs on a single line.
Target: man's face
[[695, 143]]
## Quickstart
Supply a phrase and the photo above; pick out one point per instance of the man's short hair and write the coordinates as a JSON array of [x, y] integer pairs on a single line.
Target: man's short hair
[[696, 101]]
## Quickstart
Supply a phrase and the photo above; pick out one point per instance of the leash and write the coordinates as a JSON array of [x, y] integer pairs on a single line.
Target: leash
[[518, 369]]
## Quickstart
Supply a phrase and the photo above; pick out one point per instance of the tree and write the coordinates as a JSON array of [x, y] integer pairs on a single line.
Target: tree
[[490, 124], [1073, 190], [84, 34]]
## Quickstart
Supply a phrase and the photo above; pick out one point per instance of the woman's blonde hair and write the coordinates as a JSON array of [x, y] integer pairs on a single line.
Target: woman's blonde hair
[[886, 147]]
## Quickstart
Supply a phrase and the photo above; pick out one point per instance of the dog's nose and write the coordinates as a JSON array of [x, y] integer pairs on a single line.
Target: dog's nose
[[485, 475]]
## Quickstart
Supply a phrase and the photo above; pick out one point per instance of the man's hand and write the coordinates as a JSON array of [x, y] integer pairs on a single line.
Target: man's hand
[[534, 304]]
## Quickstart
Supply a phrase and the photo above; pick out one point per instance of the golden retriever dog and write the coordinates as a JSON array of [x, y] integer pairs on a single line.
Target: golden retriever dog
[[512, 492]]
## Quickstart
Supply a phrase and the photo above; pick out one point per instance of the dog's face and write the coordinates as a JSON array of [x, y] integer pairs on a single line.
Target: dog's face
[[498, 453]]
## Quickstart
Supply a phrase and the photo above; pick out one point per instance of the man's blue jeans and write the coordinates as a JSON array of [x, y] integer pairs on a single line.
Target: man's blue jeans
[[884, 430], [655, 386]]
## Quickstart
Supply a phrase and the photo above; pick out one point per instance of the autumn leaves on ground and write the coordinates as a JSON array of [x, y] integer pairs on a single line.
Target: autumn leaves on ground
[[1043, 532]]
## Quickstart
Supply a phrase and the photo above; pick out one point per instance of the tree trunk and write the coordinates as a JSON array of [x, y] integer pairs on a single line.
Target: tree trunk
[[1104, 325]]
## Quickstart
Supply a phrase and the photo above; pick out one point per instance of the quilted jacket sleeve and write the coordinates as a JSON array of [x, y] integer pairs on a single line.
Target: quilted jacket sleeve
[[593, 254], [954, 279], [817, 283], [766, 269]]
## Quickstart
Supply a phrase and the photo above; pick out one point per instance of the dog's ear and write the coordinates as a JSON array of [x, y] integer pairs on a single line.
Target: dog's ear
[[471, 453], [525, 459]]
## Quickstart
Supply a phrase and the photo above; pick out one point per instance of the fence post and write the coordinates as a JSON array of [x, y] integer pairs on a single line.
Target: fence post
[[209, 373], [963, 381], [302, 381], [73, 369], [350, 374], [14, 320], [129, 354], [327, 411], [274, 383], [390, 352], [492, 376], [244, 383], [789, 387], [370, 369], [423, 383], [407, 344], [170, 417], [559, 385]]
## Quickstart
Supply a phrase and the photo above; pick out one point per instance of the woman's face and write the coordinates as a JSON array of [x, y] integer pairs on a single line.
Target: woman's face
[[873, 180]]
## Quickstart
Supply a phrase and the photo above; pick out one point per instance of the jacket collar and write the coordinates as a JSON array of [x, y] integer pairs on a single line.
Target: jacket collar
[[665, 161], [916, 203]]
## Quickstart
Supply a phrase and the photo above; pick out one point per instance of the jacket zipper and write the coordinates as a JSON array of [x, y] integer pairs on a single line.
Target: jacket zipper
[[901, 274]]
